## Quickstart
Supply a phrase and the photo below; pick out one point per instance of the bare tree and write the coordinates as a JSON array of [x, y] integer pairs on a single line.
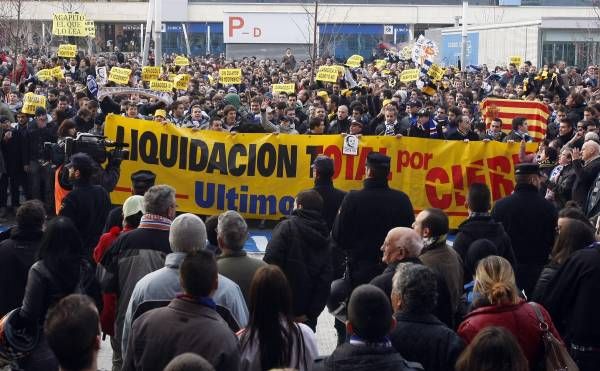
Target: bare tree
[[12, 32]]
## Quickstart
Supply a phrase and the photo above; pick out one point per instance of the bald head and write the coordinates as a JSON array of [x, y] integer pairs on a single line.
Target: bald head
[[590, 150], [401, 243]]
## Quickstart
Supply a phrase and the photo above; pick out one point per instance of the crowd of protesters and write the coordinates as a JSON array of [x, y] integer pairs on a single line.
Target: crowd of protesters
[[178, 292]]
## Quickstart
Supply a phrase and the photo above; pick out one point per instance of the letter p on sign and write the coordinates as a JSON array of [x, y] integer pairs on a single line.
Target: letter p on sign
[[235, 23]]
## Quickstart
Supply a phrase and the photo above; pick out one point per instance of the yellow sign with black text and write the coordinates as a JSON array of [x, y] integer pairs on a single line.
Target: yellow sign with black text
[[119, 75], [230, 76], [67, 50], [69, 24]]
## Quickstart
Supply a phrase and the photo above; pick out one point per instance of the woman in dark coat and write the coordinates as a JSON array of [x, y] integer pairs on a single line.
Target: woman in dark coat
[[573, 235], [60, 270]]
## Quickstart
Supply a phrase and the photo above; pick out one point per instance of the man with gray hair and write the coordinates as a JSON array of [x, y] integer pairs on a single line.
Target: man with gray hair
[[400, 245], [187, 235], [234, 263], [137, 253], [403, 245], [418, 332]]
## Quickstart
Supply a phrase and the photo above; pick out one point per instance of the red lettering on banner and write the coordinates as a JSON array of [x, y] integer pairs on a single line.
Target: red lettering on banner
[[437, 174], [500, 186], [414, 160], [499, 165], [336, 154], [235, 23]]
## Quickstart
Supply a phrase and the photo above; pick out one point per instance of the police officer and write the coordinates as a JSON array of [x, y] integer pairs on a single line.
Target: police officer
[[366, 216], [140, 182], [87, 204], [530, 222]]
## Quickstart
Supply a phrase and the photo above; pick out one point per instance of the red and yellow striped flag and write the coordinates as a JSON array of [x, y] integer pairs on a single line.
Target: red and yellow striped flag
[[536, 114]]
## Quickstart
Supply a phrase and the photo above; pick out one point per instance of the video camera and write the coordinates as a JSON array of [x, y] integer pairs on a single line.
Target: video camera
[[97, 147]]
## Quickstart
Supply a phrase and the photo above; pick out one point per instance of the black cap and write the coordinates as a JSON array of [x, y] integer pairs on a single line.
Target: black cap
[[40, 111], [323, 165], [142, 180], [415, 103], [527, 169], [378, 160], [82, 162], [356, 122], [285, 118]]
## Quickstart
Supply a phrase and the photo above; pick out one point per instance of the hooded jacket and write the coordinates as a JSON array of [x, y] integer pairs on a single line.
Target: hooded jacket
[[300, 247], [482, 226]]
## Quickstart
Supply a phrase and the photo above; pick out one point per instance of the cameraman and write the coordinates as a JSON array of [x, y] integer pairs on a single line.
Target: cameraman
[[87, 204]]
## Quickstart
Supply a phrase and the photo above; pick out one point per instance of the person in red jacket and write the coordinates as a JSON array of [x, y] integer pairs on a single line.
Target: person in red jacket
[[132, 213], [497, 303]]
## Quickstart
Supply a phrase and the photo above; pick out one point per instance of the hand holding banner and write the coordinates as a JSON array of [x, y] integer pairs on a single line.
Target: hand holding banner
[[119, 75]]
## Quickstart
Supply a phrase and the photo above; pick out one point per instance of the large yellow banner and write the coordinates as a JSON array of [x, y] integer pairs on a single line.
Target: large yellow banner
[[260, 174]]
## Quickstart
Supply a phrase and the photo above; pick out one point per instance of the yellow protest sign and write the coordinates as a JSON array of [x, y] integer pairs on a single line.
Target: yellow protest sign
[[286, 88], [57, 73], [150, 73], [230, 76], [406, 53], [90, 28], [354, 60], [181, 61], [409, 75], [119, 75], [44, 75], [166, 86], [327, 73], [436, 72], [69, 24], [181, 81], [380, 63], [259, 175], [67, 50], [31, 102], [517, 60]]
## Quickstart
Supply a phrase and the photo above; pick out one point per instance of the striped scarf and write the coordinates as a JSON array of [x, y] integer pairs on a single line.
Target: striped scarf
[[153, 221]]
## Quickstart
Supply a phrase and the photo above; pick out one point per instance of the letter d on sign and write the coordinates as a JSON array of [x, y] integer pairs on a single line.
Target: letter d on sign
[[235, 23], [257, 32]]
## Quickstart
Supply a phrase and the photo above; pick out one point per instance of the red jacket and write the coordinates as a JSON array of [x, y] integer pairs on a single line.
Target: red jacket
[[109, 310], [519, 319]]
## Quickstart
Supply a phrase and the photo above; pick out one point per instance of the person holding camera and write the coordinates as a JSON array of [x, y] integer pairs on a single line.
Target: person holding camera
[[40, 172], [87, 204]]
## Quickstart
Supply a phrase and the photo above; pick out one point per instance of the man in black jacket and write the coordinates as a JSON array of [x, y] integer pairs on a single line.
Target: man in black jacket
[[586, 164], [332, 199], [40, 174], [370, 320], [419, 335], [300, 247], [18, 253], [365, 218], [481, 225], [464, 131], [530, 222], [87, 205]]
